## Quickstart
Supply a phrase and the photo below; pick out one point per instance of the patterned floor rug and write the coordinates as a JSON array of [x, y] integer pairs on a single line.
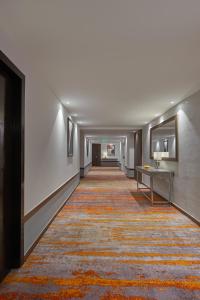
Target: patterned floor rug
[[109, 243]]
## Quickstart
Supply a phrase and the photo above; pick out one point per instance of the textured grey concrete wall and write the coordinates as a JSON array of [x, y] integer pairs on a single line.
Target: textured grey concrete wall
[[186, 192]]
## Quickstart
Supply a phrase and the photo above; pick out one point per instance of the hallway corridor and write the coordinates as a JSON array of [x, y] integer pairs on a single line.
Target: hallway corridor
[[109, 243]]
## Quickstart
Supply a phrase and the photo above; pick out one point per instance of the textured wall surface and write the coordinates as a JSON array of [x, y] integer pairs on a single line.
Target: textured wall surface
[[47, 166], [187, 170]]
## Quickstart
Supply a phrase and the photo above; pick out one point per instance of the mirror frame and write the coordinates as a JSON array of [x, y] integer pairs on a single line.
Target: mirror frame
[[174, 118]]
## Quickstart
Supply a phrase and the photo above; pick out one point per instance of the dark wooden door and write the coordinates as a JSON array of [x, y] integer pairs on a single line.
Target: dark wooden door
[[2, 227], [138, 151], [11, 166], [96, 154]]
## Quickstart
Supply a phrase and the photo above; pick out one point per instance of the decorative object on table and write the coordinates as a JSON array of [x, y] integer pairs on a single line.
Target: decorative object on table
[[70, 137], [147, 166], [110, 150]]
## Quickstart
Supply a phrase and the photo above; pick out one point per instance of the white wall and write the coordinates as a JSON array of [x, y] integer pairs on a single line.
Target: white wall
[[122, 155], [46, 163], [85, 159], [187, 174], [126, 152], [130, 150]]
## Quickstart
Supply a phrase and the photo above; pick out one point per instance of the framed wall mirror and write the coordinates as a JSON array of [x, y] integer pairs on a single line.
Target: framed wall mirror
[[164, 140], [70, 137]]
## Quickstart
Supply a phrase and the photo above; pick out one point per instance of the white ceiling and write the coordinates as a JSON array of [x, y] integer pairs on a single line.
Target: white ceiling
[[117, 62]]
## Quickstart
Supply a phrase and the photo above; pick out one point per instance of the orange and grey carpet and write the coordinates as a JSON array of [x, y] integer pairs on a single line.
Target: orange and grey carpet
[[107, 243]]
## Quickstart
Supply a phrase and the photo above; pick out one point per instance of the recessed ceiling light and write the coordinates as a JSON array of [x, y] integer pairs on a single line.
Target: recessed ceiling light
[[172, 102], [74, 115], [145, 122], [156, 115]]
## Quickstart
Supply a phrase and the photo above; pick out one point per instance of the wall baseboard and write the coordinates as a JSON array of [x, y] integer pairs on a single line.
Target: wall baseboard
[[186, 214], [41, 234], [84, 170], [180, 209], [130, 172], [38, 220]]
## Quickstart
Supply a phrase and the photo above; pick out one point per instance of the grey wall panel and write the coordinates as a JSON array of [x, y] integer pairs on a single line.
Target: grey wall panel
[[186, 192], [34, 226], [129, 172], [82, 172], [85, 170]]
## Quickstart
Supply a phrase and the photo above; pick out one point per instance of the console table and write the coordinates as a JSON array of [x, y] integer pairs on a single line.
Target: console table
[[152, 172]]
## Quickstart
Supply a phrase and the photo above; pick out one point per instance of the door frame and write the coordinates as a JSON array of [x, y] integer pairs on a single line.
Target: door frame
[[16, 254]]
